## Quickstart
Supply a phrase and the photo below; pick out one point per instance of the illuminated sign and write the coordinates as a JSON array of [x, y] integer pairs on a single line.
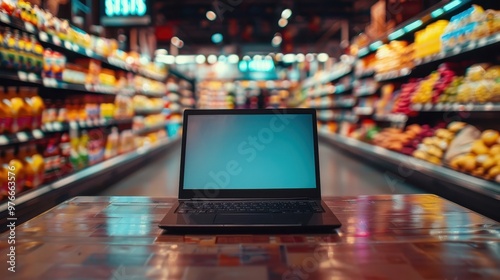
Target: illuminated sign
[[258, 69], [125, 13]]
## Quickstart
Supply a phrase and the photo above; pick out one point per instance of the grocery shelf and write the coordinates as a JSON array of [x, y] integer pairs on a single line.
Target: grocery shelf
[[365, 74], [477, 45], [350, 119], [25, 202], [150, 129], [17, 23], [363, 111], [342, 90], [20, 137], [393, 75], [436, 12], [55, 127], [20, 77], [148, 112], [97, 89], [150, 94], [394, 118], [438, 177], [456, 107]]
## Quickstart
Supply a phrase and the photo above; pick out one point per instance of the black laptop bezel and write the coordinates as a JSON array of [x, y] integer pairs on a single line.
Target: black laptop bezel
[[312, 193]]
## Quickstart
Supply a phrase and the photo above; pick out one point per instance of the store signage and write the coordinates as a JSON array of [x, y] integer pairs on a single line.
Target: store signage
[[125, 12], [258, 69]]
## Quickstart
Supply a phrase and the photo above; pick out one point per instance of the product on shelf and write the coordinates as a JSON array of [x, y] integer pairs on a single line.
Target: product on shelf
[[54, 64], [112, 144], [470, 25], [143, 103], [394, 56], [52, 159], [428, 40], [34, 166], [480, 156], [403, 141], [404, 98], [20, 51], [435, 84], [481, 84], [432, 149]]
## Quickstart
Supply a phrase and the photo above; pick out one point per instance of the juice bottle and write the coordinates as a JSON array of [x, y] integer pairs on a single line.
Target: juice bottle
[[26, 119], [18, 49], [65, 148], [10, 116], [4, 188], [83, 149], [38, 54], [22, 112], [29, 48], [9, 44], [19, 169], [4, 112], [112, 144], [74, 155], [38, 108], [35, 167], [52, 159]]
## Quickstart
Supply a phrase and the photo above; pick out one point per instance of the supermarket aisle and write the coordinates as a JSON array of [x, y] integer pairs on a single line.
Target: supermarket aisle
[[340, 175]]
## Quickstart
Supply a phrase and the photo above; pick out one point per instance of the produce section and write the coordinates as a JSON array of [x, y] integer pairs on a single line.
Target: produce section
[[428, 90]]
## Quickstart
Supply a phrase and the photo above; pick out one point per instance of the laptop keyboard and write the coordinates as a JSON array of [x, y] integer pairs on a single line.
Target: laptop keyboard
[[250, 207]]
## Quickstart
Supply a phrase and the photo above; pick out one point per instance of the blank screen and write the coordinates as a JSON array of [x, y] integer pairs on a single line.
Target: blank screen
[[269, 151]]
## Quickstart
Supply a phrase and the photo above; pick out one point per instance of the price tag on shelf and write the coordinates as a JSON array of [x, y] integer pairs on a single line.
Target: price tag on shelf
[[447, 107], [4, 17], [44, 37], [89, 87], [56, 41], [457, 50], [48, 127], [417, 107], [428, 106], [76, 48], [32, 77], [482, 42], [89, 123], [73, 125], [68, 45], [29, 27], [439, 107], [22, 136], [22, 76], [82, 124], [89, 52], [489, 106], [472, 45], [58, 126], [37, 133], [102, 121], [4, 140]]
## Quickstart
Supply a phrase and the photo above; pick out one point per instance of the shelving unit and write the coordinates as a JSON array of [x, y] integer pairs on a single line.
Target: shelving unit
[[373, 111], [482, 196]]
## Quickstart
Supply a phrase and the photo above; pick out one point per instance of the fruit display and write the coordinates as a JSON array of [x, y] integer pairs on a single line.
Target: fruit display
[[479, 157], [399, 140], [470, 25], [432, 149], [435, 84], [404, 98], [394, 56], [428, 40], [143, 103], [481, 84]]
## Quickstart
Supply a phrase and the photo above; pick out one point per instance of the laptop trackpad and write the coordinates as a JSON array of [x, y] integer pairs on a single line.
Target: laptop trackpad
[[257, 219]]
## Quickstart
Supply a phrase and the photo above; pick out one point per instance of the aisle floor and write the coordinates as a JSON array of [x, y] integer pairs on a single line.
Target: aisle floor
[[341, 175]]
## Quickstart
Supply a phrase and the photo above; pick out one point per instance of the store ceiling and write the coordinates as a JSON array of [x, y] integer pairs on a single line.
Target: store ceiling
[[313, 26]]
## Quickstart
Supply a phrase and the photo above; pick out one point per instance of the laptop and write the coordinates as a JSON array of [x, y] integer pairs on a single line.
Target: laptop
[[248, 170]]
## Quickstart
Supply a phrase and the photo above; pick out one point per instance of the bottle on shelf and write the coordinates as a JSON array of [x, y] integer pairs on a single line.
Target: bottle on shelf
[[37, 105], [52, 159], [83, 149], [112, 144], [35, 167], [5, 113], [13, 161], [65, 148]]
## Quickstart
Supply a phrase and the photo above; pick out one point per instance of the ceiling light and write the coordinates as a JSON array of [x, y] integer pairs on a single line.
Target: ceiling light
[[184, 59], [289, 58], [167, 59], [200, 59], [217, 38], [222, 58], [212, 59], [276, 41], [309, 57], [300, 57], [175, 40], [286, 13], [282, 22], [161, 52], [246, 57], [323, 57], [211, 15], [233, 58], [257, 57]]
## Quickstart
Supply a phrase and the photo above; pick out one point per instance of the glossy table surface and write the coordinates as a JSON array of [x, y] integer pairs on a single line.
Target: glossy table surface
[[382, 237]]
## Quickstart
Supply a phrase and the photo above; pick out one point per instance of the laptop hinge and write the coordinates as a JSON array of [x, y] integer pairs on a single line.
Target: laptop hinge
[[257, 198]]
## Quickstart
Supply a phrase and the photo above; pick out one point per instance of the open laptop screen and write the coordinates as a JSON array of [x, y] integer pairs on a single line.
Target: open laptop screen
[[249, 151]]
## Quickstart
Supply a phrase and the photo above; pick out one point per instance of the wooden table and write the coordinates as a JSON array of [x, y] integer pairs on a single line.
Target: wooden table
[[382, 237]]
